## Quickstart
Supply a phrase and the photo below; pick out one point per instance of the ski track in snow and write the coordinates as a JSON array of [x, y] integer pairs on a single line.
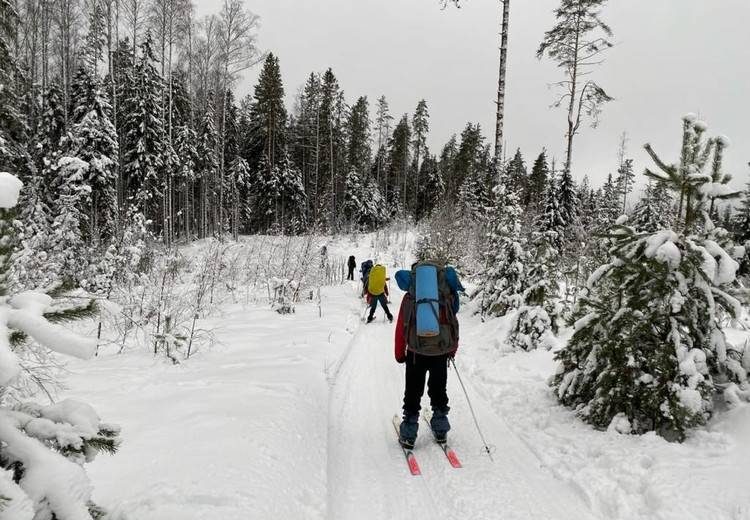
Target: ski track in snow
[[367, 473], [289, 417]]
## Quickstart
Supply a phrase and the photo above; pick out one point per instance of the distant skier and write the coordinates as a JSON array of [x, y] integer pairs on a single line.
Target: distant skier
[[377, 291], [426, 338], [364, 269], [352, 265]]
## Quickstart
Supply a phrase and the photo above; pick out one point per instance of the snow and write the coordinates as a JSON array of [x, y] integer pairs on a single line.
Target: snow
[[655, 241], [727, 267], [289, 416], [669, 254], [689, 117], [10, 189], [52, 336], [724, 141], [17, 506], [9, 366], [620, 424], [620, 477], [78, 414], [34, 302], [48, 476]]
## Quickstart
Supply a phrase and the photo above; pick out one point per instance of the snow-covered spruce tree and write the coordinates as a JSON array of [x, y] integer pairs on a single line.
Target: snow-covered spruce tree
[[42, 448], [143, 129], [741, 226], [293, 200], [431, 189], [354, 193], [610, 206], [504, 255], [537, 319], [68, 246], [538, 180], [625, 180], [13, 129], [655, 209], [207, 167], [93, 139], [519, 178], [552, 219], [649, 352], [568, 204]]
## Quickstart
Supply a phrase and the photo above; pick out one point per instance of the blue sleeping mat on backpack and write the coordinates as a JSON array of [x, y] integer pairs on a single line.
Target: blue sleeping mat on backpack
[[428, 306]]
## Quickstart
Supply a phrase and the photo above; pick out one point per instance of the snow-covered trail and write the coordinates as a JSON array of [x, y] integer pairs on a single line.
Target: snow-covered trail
[[290, 417], [367, 476], [234, 433]]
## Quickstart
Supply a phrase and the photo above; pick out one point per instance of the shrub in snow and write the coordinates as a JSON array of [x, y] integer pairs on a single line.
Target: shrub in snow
[[648, 345], [447, 238], [537, 319], [43, 448]]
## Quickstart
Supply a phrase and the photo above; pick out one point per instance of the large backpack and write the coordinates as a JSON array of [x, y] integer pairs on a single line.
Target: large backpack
[[376, 280], [443, 340], [365, 268]]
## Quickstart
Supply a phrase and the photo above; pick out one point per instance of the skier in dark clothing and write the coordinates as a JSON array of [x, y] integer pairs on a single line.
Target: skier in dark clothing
[[418, 365], [352, 266]]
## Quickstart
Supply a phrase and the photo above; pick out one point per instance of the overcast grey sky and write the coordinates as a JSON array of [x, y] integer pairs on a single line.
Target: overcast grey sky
[[672, 57]]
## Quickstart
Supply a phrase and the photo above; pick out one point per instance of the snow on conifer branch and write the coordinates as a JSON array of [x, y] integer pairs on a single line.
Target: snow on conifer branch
[[649, 351], [42, 448]]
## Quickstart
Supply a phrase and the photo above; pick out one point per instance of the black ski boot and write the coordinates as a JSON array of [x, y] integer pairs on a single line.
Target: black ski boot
[[440, 425], [407, 444], [370, 319], [407, 435]]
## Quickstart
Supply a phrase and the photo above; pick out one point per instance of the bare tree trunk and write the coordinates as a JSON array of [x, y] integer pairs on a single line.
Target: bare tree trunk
[[572, 105], [501, 87], [317, 158]]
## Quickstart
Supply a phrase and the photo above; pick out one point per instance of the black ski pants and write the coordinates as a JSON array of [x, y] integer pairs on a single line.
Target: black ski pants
[[417, 367], [350, 276], [383, 303]]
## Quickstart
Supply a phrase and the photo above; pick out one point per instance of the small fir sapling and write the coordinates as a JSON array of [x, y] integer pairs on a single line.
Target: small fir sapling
[[537, 319], [42, 448], [648, 347]]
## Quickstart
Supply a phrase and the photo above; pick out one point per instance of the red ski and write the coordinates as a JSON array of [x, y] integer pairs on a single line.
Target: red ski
[[411, 460], [449, 453]]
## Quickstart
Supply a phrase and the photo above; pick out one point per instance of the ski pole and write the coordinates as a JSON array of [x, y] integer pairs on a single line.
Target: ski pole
[[471, 409]]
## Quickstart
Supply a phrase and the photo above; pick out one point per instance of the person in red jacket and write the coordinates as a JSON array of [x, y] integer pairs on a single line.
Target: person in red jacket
[[417, 367]]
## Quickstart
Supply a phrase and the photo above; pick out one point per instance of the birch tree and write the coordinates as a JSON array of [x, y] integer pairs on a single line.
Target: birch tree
[[238, 52]]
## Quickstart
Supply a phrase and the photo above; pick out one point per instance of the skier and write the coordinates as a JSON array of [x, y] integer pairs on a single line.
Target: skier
[[426, 351], [377, 291], [352, 264], [365, 271]]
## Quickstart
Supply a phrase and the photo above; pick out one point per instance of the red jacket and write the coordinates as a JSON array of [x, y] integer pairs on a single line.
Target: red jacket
[[401, 342]]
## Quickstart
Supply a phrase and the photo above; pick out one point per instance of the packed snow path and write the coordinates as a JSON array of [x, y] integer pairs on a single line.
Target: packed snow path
[[290, 417], [367, 474]]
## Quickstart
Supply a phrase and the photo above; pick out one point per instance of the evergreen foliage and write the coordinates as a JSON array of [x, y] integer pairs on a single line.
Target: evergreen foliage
[[539, 313], [504, 255], [43, 448], [538, 181], [143, 131], [648, 345]]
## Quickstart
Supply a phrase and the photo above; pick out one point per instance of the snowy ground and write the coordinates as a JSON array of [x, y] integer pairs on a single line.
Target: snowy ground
[[290, 417]]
